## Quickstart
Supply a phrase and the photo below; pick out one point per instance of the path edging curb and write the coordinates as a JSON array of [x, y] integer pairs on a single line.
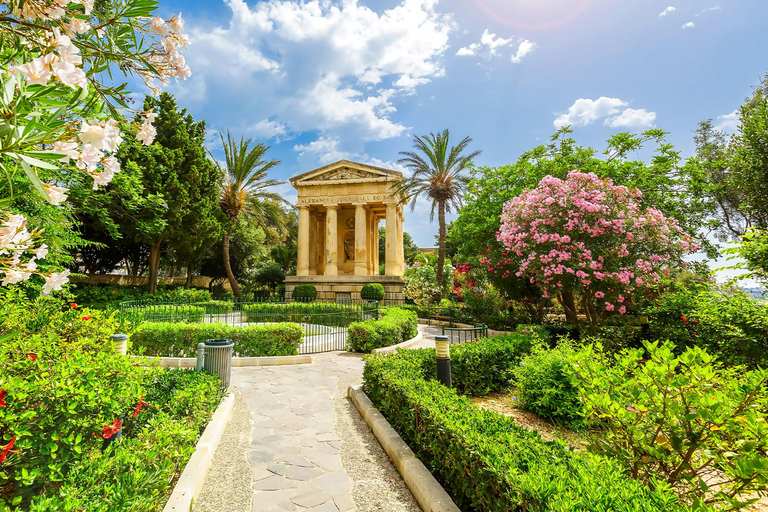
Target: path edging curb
[[427, 491], [405, 344], [190, 482], [191, 362]]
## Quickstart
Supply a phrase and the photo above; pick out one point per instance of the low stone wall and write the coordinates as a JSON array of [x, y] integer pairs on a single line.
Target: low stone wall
[[331, 288]]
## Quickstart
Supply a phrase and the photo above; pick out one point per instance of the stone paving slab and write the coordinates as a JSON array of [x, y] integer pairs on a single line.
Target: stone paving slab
[[294, 449]]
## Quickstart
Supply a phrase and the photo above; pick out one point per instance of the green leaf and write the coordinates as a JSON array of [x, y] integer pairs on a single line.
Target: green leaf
[[35, 179]]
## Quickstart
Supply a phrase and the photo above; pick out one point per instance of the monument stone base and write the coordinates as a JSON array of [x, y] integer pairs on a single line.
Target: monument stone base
[[334, 288]]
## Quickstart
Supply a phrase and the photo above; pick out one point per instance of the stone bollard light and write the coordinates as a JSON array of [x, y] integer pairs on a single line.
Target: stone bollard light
[[443, 360]]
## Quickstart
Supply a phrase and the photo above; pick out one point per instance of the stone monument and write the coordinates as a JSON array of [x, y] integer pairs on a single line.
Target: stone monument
[[340, 208]]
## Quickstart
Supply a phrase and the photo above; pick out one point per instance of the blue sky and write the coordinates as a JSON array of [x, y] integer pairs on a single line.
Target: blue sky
[[331, 79]]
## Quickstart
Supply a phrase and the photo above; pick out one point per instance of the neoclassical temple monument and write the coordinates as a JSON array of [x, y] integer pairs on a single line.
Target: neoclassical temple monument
[[340, 208]]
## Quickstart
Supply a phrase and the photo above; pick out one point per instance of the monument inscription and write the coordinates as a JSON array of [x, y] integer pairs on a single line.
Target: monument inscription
[[339, 199]]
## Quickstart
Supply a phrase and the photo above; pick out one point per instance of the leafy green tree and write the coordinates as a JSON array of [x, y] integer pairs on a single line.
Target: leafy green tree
[[410, 249], [167, 193], [246, 192], [439, 174]]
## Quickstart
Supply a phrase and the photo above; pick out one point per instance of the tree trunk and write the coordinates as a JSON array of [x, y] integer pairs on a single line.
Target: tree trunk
[[227, 266], [569, 306], [188, 283], [440, 244], [154, 263]]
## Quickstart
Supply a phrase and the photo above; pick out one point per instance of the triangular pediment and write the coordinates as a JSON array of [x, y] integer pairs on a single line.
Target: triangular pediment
[[345, 171]]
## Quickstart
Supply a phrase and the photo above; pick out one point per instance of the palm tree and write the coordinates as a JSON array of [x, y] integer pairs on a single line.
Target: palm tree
[[246, 191], [437, 174]]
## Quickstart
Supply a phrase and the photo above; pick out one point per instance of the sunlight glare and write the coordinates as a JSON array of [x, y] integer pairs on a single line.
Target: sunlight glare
[[534, 14]]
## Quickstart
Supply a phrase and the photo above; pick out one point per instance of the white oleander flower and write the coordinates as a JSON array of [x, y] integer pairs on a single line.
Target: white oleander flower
[[12, 276], [35, 72], [111, 164], [41, 252], [93, 134], [57, 195], [112, 136], [158, 26], [67, 148], [176, 23], [70, 75], [89, 158], [55, 281]]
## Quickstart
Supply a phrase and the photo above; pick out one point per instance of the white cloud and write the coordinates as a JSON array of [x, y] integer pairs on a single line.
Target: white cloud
[[585, 111], [710, 9], [668, 10], [334, 67], [613, 111], [632, 118], [690, 24], [728, 122], [267, 129], [488, 46], [524, 49], [324, 150]]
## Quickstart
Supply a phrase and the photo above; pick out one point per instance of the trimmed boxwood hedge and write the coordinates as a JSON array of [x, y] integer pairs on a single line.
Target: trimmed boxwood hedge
[[180, 340], [395, 326], [372, 291], [304, 293], [334, 315], [488, 463], [168, 313]]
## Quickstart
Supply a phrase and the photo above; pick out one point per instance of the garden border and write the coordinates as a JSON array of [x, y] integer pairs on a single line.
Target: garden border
[[190, 483], [191, 362], [427, 491], [405, 344]]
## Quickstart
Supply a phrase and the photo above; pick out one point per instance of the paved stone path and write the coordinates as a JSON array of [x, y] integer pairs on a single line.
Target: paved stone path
[[295, 447]]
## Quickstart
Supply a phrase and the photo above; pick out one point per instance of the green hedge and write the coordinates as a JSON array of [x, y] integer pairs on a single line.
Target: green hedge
[[180, 340], [216, 307], [334, 315], [167, 313], [396, 325], [486, 460], [304, 293], [372, 291]]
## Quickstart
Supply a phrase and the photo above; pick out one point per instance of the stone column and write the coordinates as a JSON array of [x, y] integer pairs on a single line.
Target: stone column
[[391, 248], [320, 241], [314, 243], [302, 268], [400, 248], [331, 243], [361, 242]]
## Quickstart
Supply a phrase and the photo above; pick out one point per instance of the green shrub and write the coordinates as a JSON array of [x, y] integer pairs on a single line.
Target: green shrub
[[180, 340], [334, 315], [372, 291], [684, 420], [304, 293], [395, 326], [215, 307], [545, 387], [487, 462], [487, 365], [168, 313]]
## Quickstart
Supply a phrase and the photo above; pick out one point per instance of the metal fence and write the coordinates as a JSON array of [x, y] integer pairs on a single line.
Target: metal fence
[[324, 324], [465, 334]]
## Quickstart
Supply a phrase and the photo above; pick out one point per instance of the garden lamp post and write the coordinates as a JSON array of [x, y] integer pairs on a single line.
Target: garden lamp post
[[443, 360]]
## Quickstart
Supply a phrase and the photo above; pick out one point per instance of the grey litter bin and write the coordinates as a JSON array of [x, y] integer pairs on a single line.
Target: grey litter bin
[[218, 359]]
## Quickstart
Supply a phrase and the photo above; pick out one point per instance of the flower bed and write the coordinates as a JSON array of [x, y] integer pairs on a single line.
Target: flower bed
[[488, 462], [396, 326], [59, 402], [180, 340]]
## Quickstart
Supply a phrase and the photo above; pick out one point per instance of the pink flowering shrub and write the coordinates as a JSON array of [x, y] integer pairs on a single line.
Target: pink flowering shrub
[[589, 244]]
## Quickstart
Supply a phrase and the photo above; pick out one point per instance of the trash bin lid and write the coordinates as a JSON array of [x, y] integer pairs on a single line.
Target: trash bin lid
[[118, 337], [218, 342]]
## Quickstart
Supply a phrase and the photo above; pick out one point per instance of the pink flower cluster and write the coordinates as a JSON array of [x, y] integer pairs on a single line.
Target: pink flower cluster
[[586, 235]]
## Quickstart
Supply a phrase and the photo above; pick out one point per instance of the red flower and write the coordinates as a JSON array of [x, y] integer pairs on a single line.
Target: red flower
[[7, 449], [73, 305], [2, 397], [115, 290], [685, 320], [112, 429], [694, 322], [137, 410], [32, 356], [86, 318]]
